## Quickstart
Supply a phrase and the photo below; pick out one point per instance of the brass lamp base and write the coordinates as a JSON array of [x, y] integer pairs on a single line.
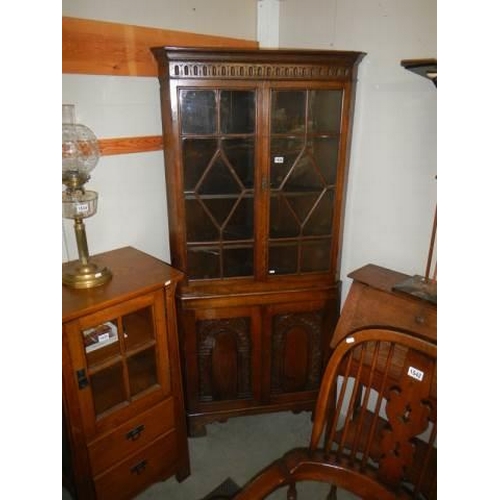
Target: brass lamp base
[[78, 275]]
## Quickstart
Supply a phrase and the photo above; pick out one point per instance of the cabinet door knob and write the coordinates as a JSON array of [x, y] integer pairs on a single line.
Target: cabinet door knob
[[135, 433]]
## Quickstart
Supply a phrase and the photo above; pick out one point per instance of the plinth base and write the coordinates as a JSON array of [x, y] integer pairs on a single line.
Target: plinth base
[[78, 275]]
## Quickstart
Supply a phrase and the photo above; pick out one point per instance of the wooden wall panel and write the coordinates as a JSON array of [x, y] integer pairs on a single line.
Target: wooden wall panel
[[102, 48]]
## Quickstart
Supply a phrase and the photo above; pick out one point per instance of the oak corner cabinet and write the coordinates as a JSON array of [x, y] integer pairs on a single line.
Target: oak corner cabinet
[[256, 150], [124, 422]]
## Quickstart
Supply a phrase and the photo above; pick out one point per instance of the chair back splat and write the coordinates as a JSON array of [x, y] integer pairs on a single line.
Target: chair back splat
[[375, 423]]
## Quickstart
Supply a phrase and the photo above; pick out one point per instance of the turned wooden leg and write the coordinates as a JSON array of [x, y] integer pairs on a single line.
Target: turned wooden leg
[[291, 494], [332, 495]]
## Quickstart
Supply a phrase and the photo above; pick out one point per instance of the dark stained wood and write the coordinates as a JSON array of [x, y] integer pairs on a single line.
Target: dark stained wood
[[147, 422], [280, 325], [375, 452]]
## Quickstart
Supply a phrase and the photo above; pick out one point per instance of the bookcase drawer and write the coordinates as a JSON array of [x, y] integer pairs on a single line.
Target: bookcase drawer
[[136, 472], [131, 436]]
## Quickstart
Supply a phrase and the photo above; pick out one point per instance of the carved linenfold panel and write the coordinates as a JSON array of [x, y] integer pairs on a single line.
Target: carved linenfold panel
[[296, 352], [257, 71], [224, 349]]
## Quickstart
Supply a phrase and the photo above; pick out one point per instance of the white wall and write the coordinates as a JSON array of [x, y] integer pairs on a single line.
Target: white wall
[[132, 195], [392, 187]]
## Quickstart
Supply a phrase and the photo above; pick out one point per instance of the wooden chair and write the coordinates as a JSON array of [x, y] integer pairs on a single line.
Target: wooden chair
[[376, 419]]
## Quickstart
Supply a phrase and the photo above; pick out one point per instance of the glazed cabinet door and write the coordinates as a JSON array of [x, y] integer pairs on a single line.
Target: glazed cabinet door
[[217, 133], [119, 361], [305, 135]]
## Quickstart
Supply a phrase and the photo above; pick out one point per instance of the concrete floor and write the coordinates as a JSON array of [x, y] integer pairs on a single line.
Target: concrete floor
[[239, 448]]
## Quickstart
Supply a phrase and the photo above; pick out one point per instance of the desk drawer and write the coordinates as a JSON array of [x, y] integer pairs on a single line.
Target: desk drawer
[[147, 466], [131, 436]]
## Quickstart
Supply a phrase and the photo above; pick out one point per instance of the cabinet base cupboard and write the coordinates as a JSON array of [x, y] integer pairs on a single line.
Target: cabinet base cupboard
[[124, 419], [256, 150]]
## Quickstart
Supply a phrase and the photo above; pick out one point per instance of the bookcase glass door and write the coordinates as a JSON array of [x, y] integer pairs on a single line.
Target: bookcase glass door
[[121, 359], [218, 155], [304, 143]]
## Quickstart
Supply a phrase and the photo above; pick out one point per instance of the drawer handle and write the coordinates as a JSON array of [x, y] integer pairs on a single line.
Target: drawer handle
[[135, 433], [138, 468], [419, 320]]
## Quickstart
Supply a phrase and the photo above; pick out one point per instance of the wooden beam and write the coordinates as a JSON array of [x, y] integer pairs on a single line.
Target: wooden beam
[[103, 48], [125, 145]]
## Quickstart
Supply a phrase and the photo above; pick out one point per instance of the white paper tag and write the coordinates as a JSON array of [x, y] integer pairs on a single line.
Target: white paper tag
[[416, 373], [279, 159]]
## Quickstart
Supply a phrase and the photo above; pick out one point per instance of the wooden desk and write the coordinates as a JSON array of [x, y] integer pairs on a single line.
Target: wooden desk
[[371, 303]]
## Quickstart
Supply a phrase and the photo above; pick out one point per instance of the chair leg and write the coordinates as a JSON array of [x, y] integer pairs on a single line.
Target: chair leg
[[332, 495], [291, 493]]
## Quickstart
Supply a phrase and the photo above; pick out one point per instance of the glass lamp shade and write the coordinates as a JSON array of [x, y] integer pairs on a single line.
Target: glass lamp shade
[[80, 149], [80, 154]]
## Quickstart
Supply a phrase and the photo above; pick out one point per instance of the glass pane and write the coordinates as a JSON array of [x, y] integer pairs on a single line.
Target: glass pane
[[315, 256], [142, 371], [107, 388], [282, 222], [199, 226], [101, 342], [304, 176], [220, 180], [325, 108], [320, 221], [324, 150], [219, 209], [302, 204], [238, 261], [283, 258], [197, 154], [237, 109], [240, 224], [204, 263], [138, 328], [198, 112], [240, 154], [288, 111], [284, 154]]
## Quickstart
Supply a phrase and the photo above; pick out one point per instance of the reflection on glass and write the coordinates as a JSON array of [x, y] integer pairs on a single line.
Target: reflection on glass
[[138, 327], [240, 155], [324, 150], [197, 111], [142, 371], [283, 258], [237, 109], [325, 107], [219, 179], [197, 155], [284, 154], [238, 261], [320, 220], [288, 111], [199, 226], [283, 223], [101, 342], [240, 224], [204, 263], [107, 388], [315, 256]]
